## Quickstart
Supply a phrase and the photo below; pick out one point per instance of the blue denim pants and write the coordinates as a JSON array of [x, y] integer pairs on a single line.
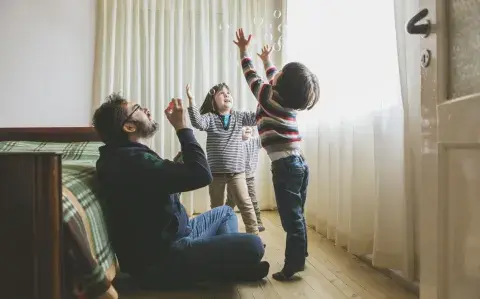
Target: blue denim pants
[[290, 181], [213, 250]]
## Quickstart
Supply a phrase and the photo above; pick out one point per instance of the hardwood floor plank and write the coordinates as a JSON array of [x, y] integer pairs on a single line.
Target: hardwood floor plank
[[350, 269], [331, 273]]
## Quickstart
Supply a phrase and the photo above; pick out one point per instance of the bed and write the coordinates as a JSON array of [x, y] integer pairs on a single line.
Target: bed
[[54, 236]]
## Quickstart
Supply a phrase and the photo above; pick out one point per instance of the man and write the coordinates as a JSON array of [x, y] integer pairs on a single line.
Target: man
[[154, 240]]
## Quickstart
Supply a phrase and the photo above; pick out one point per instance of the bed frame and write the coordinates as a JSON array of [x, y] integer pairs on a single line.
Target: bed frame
[[31, 254], [53, 134]]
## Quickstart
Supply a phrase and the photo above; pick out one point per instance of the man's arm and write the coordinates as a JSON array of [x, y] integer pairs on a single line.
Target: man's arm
[[178, 158], [200, 122], [171, 177]]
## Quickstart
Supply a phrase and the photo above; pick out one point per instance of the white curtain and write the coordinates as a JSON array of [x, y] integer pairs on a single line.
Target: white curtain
[[354, 139], [150, 49]]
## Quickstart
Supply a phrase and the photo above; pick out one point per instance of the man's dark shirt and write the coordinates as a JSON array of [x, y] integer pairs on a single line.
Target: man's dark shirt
[[143, 211]]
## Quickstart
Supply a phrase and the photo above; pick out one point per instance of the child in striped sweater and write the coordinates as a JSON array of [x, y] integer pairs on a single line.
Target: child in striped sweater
[[251, 147], [225, 149], [287, 91]]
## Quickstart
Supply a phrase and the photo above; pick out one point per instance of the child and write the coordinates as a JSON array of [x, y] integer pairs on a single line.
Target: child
[[224, 149], [294, 88], [251, 146]]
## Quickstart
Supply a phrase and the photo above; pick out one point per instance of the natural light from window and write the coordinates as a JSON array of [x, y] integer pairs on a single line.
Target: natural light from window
[[351, 46]]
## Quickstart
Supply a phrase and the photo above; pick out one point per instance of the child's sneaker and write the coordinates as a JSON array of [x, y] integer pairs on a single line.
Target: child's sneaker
[[287, 274]]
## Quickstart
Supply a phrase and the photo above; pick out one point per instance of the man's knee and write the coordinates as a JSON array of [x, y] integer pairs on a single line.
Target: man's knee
[[251, 247], [226, 210]]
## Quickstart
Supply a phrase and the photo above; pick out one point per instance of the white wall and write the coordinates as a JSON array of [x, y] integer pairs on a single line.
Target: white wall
[[46, 62]]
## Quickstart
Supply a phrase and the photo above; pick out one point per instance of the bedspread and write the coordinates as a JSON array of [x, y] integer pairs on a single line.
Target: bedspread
[[91, 261]]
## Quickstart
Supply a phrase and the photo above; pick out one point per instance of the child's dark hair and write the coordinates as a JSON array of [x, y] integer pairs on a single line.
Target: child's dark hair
[[108, 119], [298, 87], [209, 105]]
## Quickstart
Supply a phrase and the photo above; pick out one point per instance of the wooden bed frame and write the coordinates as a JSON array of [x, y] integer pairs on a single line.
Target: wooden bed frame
[[31, 254], [53, 134]]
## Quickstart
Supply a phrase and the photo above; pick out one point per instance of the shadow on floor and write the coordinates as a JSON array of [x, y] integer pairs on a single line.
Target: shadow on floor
[[127, 287]]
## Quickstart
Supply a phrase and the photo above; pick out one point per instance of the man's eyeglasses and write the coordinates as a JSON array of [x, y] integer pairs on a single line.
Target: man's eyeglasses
[[135, 108]]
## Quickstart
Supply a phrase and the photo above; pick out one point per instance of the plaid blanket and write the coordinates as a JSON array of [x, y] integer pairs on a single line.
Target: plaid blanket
[[92, 261]]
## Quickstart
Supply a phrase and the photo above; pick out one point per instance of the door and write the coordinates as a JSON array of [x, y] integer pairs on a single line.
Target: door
[[450, 105]]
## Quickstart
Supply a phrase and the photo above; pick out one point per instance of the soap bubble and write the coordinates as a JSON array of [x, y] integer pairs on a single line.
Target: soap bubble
[[268, 37], [280, 28], [220, 27], [277, 46], [258, 21], [212, 92], [277, 14], [280, 40]]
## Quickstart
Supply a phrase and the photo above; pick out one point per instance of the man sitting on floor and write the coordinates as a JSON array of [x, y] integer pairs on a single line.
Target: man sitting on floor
[[154, 240]]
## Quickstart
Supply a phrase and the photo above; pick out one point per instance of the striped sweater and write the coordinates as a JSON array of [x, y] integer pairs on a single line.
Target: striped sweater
[[277, 126], [251, 147], [225, 151]]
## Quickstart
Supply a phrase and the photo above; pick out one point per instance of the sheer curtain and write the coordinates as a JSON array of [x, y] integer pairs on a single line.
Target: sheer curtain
[[354, 138], [150, 49]]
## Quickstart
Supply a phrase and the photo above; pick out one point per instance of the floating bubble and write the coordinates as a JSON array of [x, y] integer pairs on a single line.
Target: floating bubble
[[277, 14], [268, 37], [280, 40], [280, 28], [271, 26], [220, 27], [212, 92], [277, 47], [258, 21]]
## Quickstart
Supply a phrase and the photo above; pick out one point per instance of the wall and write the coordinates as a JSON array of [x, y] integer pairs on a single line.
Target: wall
[[46, 62]]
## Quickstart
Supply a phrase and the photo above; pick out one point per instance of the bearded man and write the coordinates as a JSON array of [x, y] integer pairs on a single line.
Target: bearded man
[[152, 235]]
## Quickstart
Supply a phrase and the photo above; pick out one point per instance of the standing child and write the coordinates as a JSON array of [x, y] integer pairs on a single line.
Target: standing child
[[292, 89], [251, 146], [224, 149]]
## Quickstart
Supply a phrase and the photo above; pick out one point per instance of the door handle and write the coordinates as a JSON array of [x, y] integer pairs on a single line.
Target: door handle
[[414, 28]]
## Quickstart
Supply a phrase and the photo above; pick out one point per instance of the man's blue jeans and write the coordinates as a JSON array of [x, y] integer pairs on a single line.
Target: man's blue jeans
[[290, 181], [213, 250]]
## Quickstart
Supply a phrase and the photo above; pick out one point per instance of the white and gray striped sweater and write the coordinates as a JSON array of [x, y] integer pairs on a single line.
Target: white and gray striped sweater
[[225, 152], [251, 148]]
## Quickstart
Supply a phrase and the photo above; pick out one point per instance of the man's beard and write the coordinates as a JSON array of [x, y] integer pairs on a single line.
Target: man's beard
[[146, 130]]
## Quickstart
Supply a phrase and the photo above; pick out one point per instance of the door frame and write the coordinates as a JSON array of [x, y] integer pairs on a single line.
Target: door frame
[[433, 199]]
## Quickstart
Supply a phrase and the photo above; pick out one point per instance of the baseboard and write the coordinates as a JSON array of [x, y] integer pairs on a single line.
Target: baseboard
[[396, 276]]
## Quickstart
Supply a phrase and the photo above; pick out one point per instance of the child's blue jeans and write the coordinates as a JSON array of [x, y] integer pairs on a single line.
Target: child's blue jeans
[[290, 181]]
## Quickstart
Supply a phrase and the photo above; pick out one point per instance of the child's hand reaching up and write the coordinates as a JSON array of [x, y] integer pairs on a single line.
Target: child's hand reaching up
[[242, 42], [265, 55], [189, 94]]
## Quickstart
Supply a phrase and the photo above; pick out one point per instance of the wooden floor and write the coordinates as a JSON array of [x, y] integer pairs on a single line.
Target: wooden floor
[[330, 273]]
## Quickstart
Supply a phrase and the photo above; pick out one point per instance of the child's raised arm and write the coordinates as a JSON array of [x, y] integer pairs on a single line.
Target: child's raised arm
[[200, 122], [270, 69], [261, 90]]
